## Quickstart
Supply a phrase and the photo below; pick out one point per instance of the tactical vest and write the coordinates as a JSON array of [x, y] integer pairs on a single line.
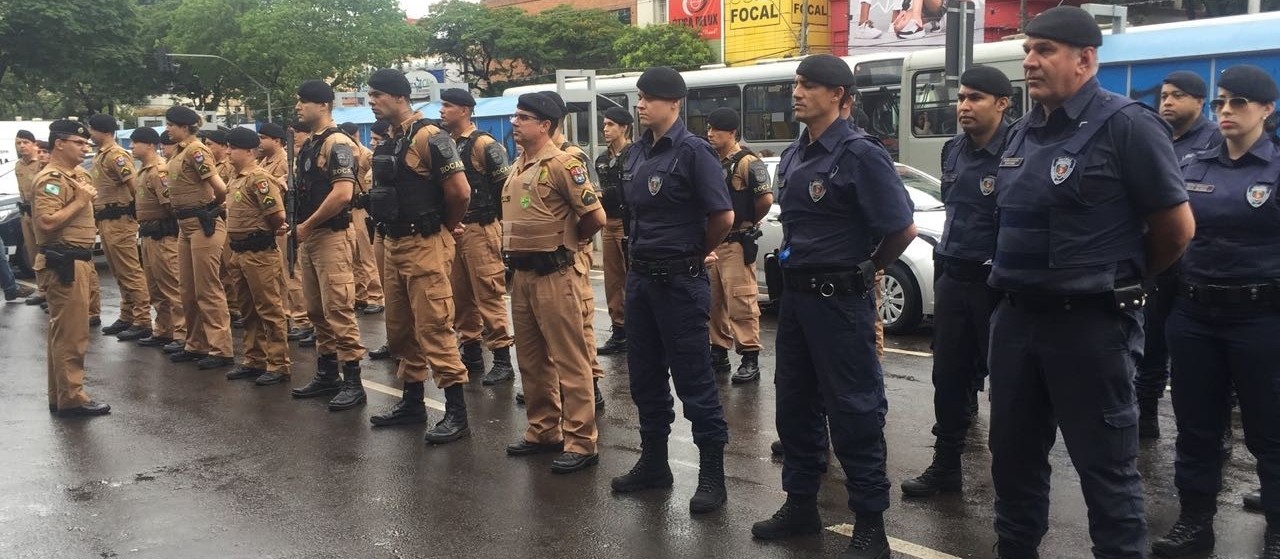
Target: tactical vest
[[1046, 226], [609, 171], [743, 201], [1237, 221], [970, 232], [484, 195], [399, 194], [313, 181]]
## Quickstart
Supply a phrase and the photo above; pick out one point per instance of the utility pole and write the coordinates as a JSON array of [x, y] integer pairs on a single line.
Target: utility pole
[[804, 27]]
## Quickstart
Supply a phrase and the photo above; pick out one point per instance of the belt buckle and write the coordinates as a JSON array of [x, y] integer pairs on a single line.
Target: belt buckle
[[827, 289]]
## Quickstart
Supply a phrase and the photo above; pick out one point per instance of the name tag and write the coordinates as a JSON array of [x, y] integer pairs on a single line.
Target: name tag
[[1011, 162], [1199, 187], [626, 176], [948, 177]]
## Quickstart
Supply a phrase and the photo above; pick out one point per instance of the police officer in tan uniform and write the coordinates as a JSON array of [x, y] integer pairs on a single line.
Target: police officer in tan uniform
[[325, 177], [113, 175], [549, 208], [216, 141], [479, 277], [419, 195], [63, 214], [158, 230], [255, 216], [735, 314], [197, 193], [609, 168], [369, 299], [377, 134], [25, 172], [275, 161]]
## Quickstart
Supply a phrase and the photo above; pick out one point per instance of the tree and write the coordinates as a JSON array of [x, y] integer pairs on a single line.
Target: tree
[[572, 38], [678, 46], [487, 44]]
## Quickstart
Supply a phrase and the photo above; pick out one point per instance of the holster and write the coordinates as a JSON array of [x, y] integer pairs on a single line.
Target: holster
[[257, 241], [114, 211], [158, 228], [541, 263], [360, 201], [747, 238], [62, 260], [206, 215]]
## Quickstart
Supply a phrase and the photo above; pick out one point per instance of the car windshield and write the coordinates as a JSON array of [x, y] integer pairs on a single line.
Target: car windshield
[[925, 191]]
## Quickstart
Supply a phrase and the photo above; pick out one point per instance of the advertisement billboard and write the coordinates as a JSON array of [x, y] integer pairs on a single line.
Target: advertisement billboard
[[703, 15], [759, 29], [903, 24]]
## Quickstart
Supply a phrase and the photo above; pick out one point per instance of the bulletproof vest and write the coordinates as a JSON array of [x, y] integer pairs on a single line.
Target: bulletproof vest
[[484, 194], [970, 231], [1237, 219], [312, 181], [1059, 230], [743, 201], [609, 172], [399, 194]]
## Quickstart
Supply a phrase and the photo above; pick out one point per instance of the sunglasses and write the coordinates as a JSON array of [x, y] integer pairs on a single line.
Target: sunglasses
[[1237, 103]]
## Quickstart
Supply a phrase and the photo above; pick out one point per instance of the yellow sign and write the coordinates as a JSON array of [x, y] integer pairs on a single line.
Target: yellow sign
[[758, 29]]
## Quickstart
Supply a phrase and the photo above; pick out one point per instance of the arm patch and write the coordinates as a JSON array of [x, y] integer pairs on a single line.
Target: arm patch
[[758, 175]]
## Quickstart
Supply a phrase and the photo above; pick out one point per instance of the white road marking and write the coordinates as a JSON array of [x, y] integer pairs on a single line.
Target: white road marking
[[901, 546], [378, 387]]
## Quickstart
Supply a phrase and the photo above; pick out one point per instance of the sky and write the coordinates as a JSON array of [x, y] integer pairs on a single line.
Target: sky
[[415, 8]]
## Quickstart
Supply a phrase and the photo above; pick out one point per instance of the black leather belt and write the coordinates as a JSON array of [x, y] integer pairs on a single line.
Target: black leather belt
[[691, 266], [480, 217], [158, 228], [825, 282], [400, 230], [542, 263], [961, 269], [114, 211], [213, 210], [1051, 302], [1262, 293], [254, 242]]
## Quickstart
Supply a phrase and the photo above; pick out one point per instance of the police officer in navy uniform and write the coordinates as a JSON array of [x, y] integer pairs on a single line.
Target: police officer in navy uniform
[[676, 221], [838, 191], [1226, 317], [1090, 204], [962, 262], [1182, 107]]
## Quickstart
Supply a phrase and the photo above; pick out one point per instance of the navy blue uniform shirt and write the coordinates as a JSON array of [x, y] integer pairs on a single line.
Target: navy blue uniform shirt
[[1237, 215], [670, 185], [1201, 136], [968, 191]]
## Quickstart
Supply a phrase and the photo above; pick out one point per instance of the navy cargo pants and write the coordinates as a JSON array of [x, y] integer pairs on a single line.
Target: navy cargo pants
[[962, 324], [1153, 368]]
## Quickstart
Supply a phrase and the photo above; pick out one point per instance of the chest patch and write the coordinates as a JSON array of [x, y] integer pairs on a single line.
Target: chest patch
[[817, 190], [1062, 168], [1258, 194], [655, 185], [987, 185]]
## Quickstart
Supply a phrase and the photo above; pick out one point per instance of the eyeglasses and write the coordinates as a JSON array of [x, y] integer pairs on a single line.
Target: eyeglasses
[[73, 139], [1237, 103], [522, 117]]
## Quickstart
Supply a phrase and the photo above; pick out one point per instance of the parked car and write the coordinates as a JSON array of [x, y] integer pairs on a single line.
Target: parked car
[[11, 218], [907, 283]]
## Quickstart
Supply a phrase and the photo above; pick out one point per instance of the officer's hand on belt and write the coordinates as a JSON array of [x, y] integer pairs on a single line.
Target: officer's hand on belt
[[710, 259], [458, 230], [302, 232], [283, 230], [867, 269]]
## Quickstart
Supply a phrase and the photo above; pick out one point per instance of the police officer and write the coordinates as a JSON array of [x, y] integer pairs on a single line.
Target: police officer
[[158, 230], [216, 140], [325, 178], [255, 216], [735, 312], [1226, 316], [962, 261], [197, 193], [549, 208], [419, 196], [609, 167], [827, 363], [168, 149], [368, 283], [113, 210], [377, 135], [676, 222], [479, 277], [559, 138], [63, 214], [1084, 173], [275, 161], [25, 172]]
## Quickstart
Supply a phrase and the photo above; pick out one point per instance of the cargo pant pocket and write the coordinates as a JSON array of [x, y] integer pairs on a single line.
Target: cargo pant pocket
[[742, 304], [340, 291], [1121, 423]]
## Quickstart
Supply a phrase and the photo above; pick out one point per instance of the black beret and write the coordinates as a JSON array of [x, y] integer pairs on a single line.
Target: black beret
[[144, 135], [26, 135], [40, 144], [391, 82], [380, 127], [618, 115], [558, 100], [103, 123], [1066, 24], [300, 127], [243, 138], [826, 69], [181, 116], [218, 136], [64, 128], [349, 128], [458, 96], [662, 82], [1249, 81], [166, 139], [315, 91], [987, 80], [540, 105], [1189, 82], [724, 119], [271, 130]]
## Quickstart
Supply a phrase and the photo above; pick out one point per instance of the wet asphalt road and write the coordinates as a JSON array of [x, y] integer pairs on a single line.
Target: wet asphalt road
[[191, 465]]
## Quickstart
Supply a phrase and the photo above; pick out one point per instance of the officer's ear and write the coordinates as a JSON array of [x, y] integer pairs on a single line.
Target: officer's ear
[[1002, 104], [1088, 59]]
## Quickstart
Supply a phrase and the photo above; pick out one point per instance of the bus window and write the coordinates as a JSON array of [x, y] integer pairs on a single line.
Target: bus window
[[768, 113], [703, 100], [933, 108], [1016, 109], [877, 73], [621, 100], [876, 111]]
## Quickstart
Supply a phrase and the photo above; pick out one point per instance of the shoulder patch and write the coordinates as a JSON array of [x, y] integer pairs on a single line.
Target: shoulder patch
[[576, 170], [263, 187], [198, 156], [588, 197], [120, 161], [52, 189]]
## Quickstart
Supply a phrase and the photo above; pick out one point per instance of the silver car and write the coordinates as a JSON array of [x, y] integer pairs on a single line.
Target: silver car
[[907, 283]]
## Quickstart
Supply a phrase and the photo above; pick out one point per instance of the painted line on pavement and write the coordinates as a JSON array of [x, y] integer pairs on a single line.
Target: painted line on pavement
[[901, 546], [379, 387]]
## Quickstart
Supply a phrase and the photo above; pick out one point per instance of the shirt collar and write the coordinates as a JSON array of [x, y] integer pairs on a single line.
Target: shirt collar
[[1195, 130], [471, 127], [1073, 107], [996, 144], [548, 150], [404, 125], [830, 137]]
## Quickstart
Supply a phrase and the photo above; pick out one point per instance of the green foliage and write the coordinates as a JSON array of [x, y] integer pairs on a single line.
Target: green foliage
[[487, 44], [677, 46]]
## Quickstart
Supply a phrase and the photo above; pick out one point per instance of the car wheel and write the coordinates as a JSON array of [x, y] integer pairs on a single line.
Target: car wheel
[[900, 307]]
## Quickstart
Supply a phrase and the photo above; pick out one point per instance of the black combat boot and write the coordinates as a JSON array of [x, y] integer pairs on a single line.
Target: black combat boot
[[472, 358], [408, 411], [720, 360], [749, 369], [326, 380], [710, 494], [120, 325], [798, 516], [595, 383], [1148, 418], [383, 352], [501, 371], [454, 425], [1192, 534], [352, 392], [651, 471], [1007, 550], [869, 540], [617, 342], [942, 476]]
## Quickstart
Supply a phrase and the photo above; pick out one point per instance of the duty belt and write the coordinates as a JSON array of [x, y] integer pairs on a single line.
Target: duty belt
[[691, 266], [1049, 302], [25, 208], [426, 228], [158, 228], [1267, 293], [961, 269], [481, 218], [825, 282], [257, 241], [743, 235], [199, 211], [541, 263], [114, 211]]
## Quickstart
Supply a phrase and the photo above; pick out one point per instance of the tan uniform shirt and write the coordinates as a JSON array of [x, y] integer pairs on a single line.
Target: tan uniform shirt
[[190, 166], [253, 194], [153, 191], [226, 170], [364, 168], [26, 172], [56, 189], [419, 155], [112, 168], [277, 166], [545, 194]]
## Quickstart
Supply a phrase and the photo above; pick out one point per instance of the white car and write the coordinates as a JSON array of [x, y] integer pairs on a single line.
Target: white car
[[907, 283]]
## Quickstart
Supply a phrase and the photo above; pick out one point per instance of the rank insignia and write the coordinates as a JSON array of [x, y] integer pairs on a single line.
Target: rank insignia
[[1062, 168], [588, 196], [817, 190], [268, 201], [988, 185], [543, 175], [204, 169], [1258, 194], [655, 185]]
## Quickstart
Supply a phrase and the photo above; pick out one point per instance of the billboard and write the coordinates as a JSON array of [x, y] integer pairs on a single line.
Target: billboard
[[759, 29], [903, 24], [703, 15]]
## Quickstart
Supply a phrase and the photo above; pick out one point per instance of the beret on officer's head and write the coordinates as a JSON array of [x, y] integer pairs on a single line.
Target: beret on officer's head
[[458, 96], [218, 136], [826, 69], [64, 128], [619, 115], [723, 119], [300, 127], [391, 82], [181, 116], [271, 130], [166, 139], [144, 135], [987, 80], [1249, 81], [26, 135], [540, 105], [349, 128], [558, 100], [380, 127], [1189, 82], [103, 123], [315, 91], [1066, 24], [243, 138], [662, 82]]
